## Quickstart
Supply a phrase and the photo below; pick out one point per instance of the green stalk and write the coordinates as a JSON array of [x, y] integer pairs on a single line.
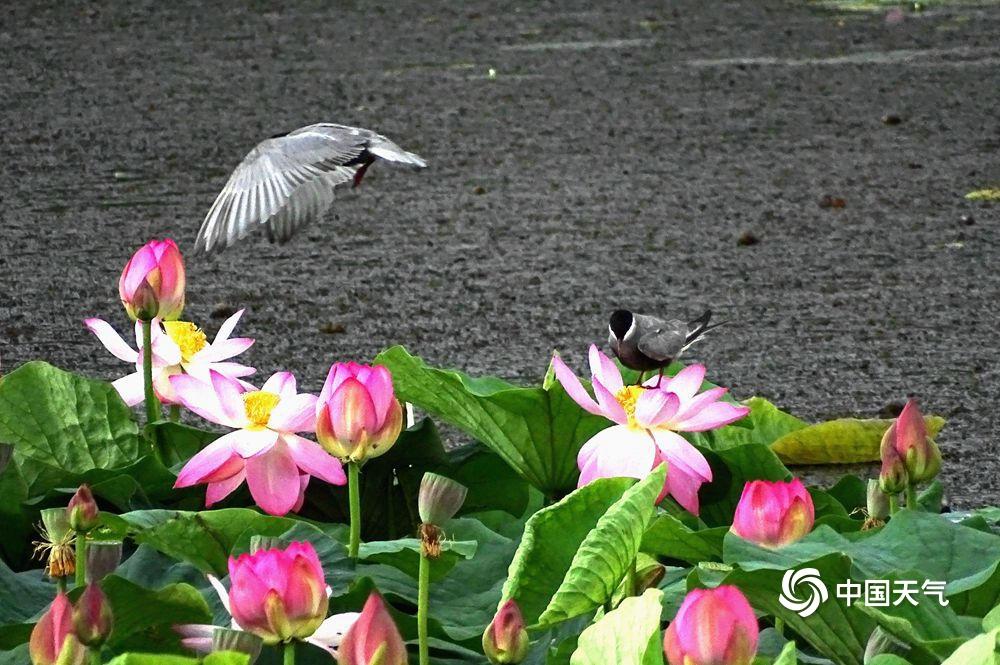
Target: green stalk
[[893, 504], [152, 404], [175, 413], [81, 559], [354, 492], [779, 626], [423, 601], [289, 658], [61, 584], [95, 656], [911, 496]]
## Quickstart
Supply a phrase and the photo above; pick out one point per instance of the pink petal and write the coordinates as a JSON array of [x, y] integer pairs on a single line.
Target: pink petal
[[216, 492], [232, 370], [330, 633], [199, 397], [227, 327], [130, 388], [352, 412], [165, 350], [230, 398], [616, 452], [605, 370], [610, 407], [294, 414], [273, 479], [694, 405], [223, 350], [687, 382], [574, 388], [683, 487], [379, 385], [111, 340], [303, 486], [655, 406], [214, 463], [315, 461], [250, 442], [281, 384], [713, 416], [677, 451]]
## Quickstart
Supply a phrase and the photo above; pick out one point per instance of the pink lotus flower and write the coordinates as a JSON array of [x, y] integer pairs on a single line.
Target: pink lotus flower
[[373, 639], [357, 415], [179, 347], [774, 514], [907, 437], [264, 449], [152, 283], [274, 593], [647, 420], [712, 627], [52, 638]]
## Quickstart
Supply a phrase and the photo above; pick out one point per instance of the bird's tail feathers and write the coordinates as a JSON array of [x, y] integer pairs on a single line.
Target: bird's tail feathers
[[699, 327]]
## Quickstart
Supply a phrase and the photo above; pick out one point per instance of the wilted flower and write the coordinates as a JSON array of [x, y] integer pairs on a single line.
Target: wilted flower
[[373, 639], [82, 511], [712, 627], [179, 347], [357, 415], [647, 420], [52, 639], [264, 449], [774, 514], [918, 452], [152, 283], [56, 545], [506, 640], [92, 620]]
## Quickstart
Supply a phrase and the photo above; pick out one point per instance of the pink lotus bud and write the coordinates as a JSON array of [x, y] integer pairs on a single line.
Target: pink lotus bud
[[278, 594], [357, 415], [919, 452], [439, 498], [774, 514], [505, 639], [152, 283], [52, 640], [373, 639], [712, 627], [893, 478], [92, 619], [82, 511]]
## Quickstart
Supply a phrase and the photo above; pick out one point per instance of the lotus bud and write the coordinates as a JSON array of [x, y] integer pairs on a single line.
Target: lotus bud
[[893, 478], [230, 639], [774, 514], [57, 543], [152, 283], [103, 557], [439, 498], [278, 594], [506, 639], [52, 641], [82, 511], [919, 452], [92, 620], [373, 639], [712, 627], [357, 414]]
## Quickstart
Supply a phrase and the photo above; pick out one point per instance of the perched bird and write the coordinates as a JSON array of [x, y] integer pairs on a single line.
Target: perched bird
[[287, 181], [646, 343]]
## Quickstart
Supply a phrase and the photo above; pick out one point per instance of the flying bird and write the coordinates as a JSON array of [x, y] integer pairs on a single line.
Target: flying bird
[[288, 181], [645, 343]]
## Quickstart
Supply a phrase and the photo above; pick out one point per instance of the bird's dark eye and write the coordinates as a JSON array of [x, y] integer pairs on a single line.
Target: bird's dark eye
[[621, 321]]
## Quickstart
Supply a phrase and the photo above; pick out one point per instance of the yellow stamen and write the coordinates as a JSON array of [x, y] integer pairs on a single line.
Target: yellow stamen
[[187, 336], [627, 397], [258, 406]]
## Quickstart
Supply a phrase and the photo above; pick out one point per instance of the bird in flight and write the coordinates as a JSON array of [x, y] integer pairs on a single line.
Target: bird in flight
[[645, 343], [288, 181]]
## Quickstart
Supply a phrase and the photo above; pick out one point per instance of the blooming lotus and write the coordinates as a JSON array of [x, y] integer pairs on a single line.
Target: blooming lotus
[[917, 452], [647, 418], [263, 449], [357, 415], [712, 627], [373, 639], [152, 283], [179, 347], [278, 595], [52, 639], [774, 514]]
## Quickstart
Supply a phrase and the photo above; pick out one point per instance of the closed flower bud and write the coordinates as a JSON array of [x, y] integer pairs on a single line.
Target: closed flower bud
[[506, 639], [52, 641], [919, 452], [82, 511], [774, 514], [892, 479], [103, 557], [712, 627], [152, 283], [373, 639], [92, 619], [440, 498], [357, 414]]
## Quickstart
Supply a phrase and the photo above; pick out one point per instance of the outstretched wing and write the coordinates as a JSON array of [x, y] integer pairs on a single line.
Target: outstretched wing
[[288, 181], [661, 340]]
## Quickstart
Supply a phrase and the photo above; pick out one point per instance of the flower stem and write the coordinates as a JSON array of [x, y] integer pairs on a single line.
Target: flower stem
[[289, 653], [423, 601], [354, 492], [175, 413], [95, 656], [893, 504], [152, 404], [911, 496], [61, 584], [81, 559]]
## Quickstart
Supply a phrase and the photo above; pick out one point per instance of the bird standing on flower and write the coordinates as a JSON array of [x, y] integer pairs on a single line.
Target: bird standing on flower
[[645, 343], [287, 181]]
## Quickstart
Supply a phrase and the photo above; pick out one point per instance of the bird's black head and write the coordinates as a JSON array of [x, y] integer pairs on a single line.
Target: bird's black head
[[621, 321]]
